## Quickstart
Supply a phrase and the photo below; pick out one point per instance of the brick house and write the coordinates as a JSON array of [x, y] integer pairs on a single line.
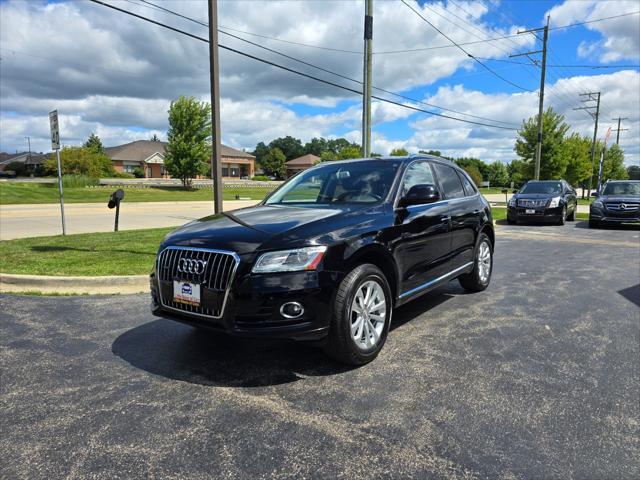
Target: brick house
[[301, 163], [149, 156]]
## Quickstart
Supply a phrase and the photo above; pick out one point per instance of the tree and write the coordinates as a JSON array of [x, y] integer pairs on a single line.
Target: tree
[[19, 168], [465, 162], [498, 175], [291, 147], [613, 165], [435, 153], [474, 173], [399, 152], [94, 143], [352, 151], [552, 162], [576, 151], [154, 138], [188, 149], [273, 163], [81, 161], [316, 146], [328, 156], [633, 171], [517, 173]]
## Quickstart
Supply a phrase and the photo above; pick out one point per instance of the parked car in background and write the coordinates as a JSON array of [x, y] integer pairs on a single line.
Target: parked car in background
[[329, 254], [618, 202], [543, 201]]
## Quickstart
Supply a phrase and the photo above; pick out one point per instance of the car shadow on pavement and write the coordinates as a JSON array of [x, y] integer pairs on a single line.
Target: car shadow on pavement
[[632, 294], [180, 352], [609, 226]]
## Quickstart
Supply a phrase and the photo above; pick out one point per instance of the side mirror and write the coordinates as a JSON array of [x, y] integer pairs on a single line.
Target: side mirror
[[514, 191], [420, 195], [595, 194]]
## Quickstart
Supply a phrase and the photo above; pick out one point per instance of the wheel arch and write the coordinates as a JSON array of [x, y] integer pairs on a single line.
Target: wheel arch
[[487, 229], [381, 258]]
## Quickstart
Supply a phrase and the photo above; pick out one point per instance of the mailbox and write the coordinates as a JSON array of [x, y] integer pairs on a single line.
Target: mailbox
[[114, 202]]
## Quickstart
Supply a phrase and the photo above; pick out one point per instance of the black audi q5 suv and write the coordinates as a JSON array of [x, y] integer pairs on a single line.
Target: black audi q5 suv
[[329, 254]]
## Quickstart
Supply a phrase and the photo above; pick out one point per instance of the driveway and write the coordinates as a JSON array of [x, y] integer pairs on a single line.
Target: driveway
[[537, 377], [35, 220]]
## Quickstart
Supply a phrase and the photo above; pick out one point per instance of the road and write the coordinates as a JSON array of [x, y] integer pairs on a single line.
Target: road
[[537, 377], [21, 221]]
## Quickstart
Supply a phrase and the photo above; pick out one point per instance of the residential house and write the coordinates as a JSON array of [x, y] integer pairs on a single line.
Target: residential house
[[149, 157], [301, 163], [32, 161]]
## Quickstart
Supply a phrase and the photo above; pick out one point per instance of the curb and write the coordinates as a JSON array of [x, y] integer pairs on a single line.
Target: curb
[[82, 285]]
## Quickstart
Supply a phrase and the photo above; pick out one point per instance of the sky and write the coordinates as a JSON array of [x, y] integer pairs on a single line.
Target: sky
[[116, 75]]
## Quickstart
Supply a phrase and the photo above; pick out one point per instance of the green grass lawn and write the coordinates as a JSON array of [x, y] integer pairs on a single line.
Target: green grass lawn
[[21, 193], [129, 252]]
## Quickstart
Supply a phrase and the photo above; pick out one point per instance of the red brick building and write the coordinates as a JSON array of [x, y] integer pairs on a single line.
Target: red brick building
[[149, 157]]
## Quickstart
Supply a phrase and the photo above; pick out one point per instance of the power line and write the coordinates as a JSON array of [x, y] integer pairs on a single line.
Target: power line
[[558, 66], [297, 72], [594, 20], [463, 50], [336, 73]]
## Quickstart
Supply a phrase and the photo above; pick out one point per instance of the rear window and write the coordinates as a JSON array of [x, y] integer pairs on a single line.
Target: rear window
[[467, 184], [449, 180]]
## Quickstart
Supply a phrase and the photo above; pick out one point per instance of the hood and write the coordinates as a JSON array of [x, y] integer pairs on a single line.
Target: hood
[[619, 198], [536, 196], [246, 230]]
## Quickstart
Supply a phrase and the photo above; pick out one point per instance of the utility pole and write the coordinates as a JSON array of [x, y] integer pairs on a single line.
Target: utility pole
[[366, 78], [216, 166], [29, 141], [543, 73], [618, 130], [592, 97]]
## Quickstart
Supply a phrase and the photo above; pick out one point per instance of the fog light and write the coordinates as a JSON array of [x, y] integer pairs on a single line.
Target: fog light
[[291, 310]]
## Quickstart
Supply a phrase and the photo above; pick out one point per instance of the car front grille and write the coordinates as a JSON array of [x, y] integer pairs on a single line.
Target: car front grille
[[214, 277], [532, 203], [622, 206]]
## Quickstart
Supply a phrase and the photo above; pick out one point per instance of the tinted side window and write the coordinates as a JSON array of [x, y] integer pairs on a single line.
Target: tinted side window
[[418, 173], [449, 181], [468, 186]]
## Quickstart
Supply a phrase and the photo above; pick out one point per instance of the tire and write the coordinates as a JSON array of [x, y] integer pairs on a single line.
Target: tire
[[476, 281], [341, 343], [511, 222], [563, 216], [572, 216], [594, 223]]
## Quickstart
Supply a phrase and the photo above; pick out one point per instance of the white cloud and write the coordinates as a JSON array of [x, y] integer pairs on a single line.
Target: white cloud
[[620, 36]]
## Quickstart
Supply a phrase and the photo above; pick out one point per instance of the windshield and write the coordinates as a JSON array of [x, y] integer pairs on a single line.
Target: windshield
[[548, 188], [622, 189], [339, 183]]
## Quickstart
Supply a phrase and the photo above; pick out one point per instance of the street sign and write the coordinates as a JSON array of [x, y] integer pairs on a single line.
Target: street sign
[[55, 132]]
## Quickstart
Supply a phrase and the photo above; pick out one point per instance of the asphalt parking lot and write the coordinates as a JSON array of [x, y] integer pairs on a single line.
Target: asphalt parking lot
[[537, 377]]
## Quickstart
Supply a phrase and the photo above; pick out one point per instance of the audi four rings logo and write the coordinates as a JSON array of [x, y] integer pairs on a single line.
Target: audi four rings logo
[[187, 265]]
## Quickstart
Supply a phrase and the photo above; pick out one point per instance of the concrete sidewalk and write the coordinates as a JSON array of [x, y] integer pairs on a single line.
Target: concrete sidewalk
[[35, 220]]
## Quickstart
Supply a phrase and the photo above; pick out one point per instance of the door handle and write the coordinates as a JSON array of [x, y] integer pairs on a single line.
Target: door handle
[[445, 218]]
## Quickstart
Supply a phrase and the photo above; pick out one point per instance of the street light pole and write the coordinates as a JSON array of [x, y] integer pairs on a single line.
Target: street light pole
[[29, 141], [366, 80], [216, 167]]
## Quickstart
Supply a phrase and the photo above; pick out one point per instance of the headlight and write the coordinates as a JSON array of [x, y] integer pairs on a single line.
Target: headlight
[[597, 204], [294, 260], [555, 201], [512, 201]]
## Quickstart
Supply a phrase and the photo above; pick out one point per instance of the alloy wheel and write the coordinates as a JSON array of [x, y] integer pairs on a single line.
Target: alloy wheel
[[368, 315], [484, 262]]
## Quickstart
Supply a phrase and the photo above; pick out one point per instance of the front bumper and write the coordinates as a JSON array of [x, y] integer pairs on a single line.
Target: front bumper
[[603, 215], [253, 306], [541, 214]]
